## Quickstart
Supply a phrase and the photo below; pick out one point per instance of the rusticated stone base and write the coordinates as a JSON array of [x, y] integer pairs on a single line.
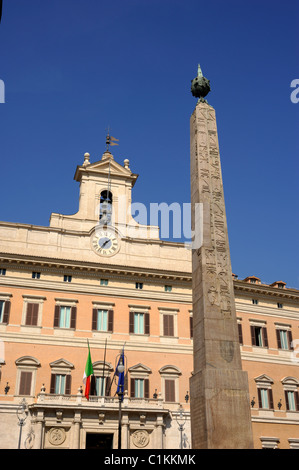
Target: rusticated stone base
[[220, 410]]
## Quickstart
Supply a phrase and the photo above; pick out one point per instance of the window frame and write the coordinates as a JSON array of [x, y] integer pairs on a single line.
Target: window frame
[[264, 387], [26, 364], [104, 306], [139, 310], [60, 303], [61, 367], [291, 385], [287, 329], [140, 372], [170, 373], [263, 334], [6, 298]]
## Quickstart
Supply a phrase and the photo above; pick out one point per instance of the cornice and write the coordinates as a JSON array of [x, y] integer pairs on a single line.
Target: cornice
[[74, 288], [25, 262], [266, 290]]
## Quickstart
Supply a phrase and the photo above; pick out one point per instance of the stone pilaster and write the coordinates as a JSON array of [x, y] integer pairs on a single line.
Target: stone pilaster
[[219, 397]]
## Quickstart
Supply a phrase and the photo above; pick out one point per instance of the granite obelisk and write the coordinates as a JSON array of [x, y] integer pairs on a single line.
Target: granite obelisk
[[219, 396]]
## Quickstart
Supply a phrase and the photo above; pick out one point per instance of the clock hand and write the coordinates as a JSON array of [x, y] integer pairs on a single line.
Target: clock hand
[[105, 243]]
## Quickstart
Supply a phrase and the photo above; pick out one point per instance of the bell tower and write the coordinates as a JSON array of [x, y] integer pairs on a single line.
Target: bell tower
[[105, 195]]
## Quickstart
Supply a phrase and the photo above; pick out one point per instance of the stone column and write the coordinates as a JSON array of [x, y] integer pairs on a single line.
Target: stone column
[[219, 396], [39, 430], [76, 430]]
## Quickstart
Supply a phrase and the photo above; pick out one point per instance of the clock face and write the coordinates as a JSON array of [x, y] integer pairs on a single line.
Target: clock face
[[105, 242]]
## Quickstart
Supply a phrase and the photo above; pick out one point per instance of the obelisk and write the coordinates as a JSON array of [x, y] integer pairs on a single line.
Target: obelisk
[[219, 395]]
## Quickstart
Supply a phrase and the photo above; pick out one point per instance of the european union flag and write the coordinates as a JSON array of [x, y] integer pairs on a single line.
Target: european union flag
[[121, 375]]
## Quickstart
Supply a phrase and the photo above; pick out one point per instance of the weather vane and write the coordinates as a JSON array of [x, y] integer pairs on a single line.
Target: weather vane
[[110, 140]]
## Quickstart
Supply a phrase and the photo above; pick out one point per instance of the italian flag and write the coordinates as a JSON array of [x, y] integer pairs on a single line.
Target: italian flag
[[87, 374]]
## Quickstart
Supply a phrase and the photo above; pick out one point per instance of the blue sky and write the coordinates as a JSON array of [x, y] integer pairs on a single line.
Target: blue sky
[[73, 67]]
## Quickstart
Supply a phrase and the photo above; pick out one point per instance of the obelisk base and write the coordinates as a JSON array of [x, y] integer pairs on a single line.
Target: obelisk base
[[219, 409]]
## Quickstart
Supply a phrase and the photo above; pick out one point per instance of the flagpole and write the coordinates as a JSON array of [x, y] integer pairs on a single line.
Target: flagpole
[[103, 378]]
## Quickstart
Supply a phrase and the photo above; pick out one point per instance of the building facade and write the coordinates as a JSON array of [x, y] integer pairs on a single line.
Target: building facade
[[98, 278]]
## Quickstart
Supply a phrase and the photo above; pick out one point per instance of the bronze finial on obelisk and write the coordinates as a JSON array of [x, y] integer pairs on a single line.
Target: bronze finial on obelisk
[[219, 396]]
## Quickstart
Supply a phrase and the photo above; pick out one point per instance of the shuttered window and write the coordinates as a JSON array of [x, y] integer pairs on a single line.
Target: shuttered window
[[284, 339], [4, 311], [25, 383], [265, 397], [292, 400], [139, 388], [61, 384], [139, 323], [65, 317], [170, 390], [240, 333], [102, 320], [32, 314], [259, 336], [168, 327]]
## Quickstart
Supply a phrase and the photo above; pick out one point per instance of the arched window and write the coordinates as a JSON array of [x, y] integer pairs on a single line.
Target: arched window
[[105, 207]]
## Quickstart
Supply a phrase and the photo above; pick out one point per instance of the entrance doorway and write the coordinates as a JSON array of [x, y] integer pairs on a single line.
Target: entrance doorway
[[99, 441]]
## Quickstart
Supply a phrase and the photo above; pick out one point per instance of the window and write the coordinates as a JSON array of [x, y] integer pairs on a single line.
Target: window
[[191, 326], [25, 383], [32, 314], [168, 325], [2, 303], [26, 375], [65, 316], [284, 339], [292, 401], [139, 323], [102, 320], [100, 384], [264, 390], [32, 310], [59, 387], [279, 305], [139, 388], [67, 278], [255, 301], [35, 275], [2, 272], [259, 336], [61, 379], [265, 398], [60, 384], [104, 282], [170, 382], [139, 381], [240, 332], [168, 288], [139, 285], [291, 385], [4, 311], [170, 390]]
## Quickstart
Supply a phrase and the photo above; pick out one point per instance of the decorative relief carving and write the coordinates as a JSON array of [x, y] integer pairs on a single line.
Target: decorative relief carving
[[202, 139], [227, 350], [213, 296], [140, 438], [56, 436]]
